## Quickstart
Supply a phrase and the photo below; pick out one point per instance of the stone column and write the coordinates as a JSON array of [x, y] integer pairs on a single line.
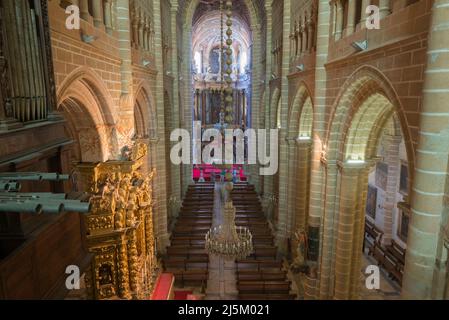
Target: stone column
[[175, 170], [311, 31], [97, 13], [425, 264], [297, 41], [392, 160], [339, 21], [256, 92], [359, 233], [84, 9], [141, 26], [161, 163], [327, 267], [135, 31], [146, 30], [300, 39], [364, 16], [319, 132], [292, 186], [281, 236], [302, 180], [108, 16], [268, 180], [384, 7], [350, 27], [350, 215]]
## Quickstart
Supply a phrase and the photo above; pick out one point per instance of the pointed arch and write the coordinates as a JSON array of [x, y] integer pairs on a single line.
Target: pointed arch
[[366, 100], [87, 107], [145, 114], [301, 113]]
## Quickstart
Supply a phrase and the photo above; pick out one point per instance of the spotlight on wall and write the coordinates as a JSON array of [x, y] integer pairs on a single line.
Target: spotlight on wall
[[300, 67], [168, 73], [360, 45], [273, 76], [146, 63], [262, 81], [181, 78], [86, 38]]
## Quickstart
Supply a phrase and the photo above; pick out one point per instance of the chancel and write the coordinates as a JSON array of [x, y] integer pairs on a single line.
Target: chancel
[[224, 150]]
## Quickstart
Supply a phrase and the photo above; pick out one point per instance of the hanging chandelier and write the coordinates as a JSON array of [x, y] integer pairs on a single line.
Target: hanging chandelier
[[228, 240]]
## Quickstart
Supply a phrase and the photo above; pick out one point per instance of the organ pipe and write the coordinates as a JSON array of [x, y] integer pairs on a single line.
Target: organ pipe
[[25, 62]]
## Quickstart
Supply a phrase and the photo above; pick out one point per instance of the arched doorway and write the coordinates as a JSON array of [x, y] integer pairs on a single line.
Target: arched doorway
[[367, 110], [85, 105], [299, 140]]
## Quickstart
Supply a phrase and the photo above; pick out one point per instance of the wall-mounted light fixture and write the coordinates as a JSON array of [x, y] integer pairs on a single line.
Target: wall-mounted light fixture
[[360, 45], [86, 38], [300, 67]]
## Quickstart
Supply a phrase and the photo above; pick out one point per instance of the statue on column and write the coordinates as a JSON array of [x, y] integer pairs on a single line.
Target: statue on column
[[299, 264]]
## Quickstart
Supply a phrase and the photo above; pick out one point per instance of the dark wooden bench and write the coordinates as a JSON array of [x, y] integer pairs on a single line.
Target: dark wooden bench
[[258, 265], [265, 296], [261, 276], [191, 277], [270, 287]]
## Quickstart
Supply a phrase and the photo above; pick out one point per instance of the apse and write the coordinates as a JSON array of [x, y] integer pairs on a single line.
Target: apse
[[208, 37]]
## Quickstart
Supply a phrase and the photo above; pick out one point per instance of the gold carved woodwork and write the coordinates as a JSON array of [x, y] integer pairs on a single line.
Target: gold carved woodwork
[[119, 227]]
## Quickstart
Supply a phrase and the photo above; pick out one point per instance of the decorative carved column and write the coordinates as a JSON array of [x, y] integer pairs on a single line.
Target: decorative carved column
[[119, 228]]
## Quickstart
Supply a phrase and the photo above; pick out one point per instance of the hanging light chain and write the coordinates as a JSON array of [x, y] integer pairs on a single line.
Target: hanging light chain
[[229, 91]]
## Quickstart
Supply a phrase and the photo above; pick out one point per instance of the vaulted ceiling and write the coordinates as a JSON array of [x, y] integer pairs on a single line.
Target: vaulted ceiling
[[206, 31], [239, 7]]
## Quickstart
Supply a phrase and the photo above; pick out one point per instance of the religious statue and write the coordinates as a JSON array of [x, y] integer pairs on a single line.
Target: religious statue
[[299, 263], [105, 275]]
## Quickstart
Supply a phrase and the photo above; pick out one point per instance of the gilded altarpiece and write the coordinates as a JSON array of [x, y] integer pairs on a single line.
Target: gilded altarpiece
[[120, 227]]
